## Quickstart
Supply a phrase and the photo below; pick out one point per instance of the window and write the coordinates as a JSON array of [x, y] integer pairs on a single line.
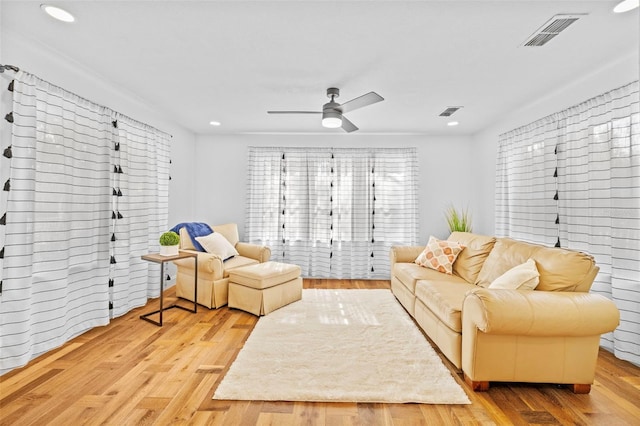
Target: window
[[335, 212]]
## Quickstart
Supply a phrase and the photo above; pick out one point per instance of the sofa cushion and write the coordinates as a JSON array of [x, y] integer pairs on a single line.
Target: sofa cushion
[[521, 277], [439, 255], [410, 273], [476, 249], [560, 269], [444, 298]]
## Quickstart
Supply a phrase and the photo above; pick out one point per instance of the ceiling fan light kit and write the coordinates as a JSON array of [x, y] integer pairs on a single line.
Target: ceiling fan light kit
[[331, 119], [332, 111]]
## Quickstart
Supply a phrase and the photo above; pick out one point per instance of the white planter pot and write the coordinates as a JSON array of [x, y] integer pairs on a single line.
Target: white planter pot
[[169, 250]]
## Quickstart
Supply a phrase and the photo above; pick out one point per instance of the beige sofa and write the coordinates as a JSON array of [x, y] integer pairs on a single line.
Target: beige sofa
[[213, 272], [549, 335]]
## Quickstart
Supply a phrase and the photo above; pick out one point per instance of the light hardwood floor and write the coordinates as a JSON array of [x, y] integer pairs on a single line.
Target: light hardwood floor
[[132, 372]]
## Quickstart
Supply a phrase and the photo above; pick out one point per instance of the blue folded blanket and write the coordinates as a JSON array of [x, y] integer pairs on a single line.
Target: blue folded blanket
[[194, 229]]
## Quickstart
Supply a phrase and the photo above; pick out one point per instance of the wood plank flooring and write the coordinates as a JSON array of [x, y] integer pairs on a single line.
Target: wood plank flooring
[[134, 373]]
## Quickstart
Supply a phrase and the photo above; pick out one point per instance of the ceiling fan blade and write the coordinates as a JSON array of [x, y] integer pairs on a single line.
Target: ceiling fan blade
[[294, 112], [362, 101], [348, 126]]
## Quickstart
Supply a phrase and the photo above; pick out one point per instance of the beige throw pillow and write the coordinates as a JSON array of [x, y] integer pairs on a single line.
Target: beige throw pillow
[[521, 277], [439, 255], [216, 244]]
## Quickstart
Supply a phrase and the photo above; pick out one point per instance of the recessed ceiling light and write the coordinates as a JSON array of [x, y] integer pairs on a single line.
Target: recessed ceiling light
[[626, 5], [215, 123], [452, 123], [57, 13]]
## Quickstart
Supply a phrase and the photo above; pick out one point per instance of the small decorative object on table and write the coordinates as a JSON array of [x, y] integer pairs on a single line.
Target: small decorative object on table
[[169, 242]]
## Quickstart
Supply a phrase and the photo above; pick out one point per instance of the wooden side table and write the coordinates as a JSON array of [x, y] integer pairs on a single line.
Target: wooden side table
[[157, 258]]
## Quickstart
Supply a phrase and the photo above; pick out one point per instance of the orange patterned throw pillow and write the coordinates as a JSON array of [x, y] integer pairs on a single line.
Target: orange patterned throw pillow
[[439, 255]]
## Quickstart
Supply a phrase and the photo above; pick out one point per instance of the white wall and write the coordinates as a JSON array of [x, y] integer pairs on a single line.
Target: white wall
[[43, 62], [444, 163], [484, 144]]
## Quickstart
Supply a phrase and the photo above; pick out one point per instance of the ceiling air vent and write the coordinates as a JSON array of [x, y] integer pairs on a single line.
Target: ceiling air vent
[[551, 28], [449, 111]]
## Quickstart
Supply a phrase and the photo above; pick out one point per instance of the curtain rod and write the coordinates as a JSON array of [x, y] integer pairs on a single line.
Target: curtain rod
[[9, 67], [16, 69]]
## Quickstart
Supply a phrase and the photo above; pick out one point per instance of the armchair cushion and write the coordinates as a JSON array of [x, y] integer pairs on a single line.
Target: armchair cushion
[[229, 231], [217, 244]]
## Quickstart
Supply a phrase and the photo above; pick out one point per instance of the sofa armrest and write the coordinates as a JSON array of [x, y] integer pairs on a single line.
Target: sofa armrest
[[254, 251], [404, 254], [207, 263], [539, 313]]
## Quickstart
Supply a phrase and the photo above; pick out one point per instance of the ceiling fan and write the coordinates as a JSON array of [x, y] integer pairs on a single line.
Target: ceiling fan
[[332, 112]]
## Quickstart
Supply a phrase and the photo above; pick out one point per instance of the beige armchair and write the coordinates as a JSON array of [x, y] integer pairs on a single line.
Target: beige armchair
[[213, 272]]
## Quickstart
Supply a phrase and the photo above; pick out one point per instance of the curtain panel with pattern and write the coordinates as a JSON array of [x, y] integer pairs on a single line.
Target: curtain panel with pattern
[[572, 180], [85, 196], [334, 211]]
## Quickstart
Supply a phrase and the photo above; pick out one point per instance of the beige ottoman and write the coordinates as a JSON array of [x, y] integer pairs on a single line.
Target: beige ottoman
[[264, 287]]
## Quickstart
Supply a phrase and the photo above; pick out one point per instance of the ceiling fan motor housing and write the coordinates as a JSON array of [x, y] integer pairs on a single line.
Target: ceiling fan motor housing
[[331, 106]]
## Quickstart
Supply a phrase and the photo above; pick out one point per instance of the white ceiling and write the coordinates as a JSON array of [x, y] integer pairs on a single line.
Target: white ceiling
[[232, 61]]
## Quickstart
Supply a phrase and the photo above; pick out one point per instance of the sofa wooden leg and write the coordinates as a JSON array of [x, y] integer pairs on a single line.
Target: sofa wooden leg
[[580, 388], [476, 386]]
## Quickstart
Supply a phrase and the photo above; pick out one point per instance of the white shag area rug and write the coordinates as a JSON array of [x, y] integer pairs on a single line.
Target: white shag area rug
[[340, 345]]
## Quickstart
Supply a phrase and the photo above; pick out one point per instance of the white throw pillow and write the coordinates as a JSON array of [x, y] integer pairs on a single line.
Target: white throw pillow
[[215, 243], [522, 277]]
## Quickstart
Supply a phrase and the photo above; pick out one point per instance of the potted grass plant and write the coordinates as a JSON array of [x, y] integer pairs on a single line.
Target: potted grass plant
[[169, 242], [458, 221]]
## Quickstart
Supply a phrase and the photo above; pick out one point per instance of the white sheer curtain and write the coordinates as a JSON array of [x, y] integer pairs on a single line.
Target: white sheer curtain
[[599, 187], [525, 184], [592, 168], [140, 180], [58, 223], [57, 235], [335, 212]]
